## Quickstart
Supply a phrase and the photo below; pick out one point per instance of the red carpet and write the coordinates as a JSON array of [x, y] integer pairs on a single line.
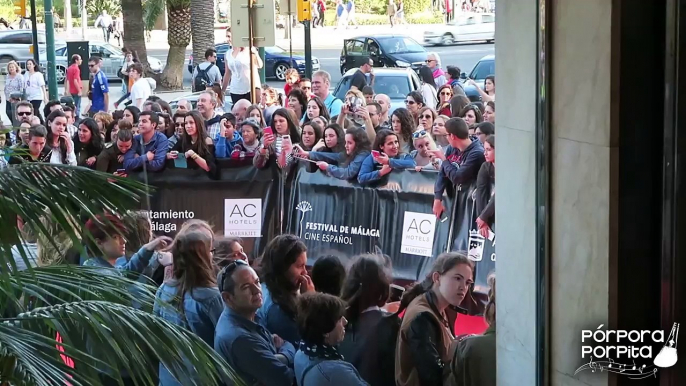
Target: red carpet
[[465, 325]]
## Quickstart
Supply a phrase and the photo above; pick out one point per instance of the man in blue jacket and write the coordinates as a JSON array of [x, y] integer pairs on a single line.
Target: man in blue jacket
[[257, 356], [464, 157], [149, 150]]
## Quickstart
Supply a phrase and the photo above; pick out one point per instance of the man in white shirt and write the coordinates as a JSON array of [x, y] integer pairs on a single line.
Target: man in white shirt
[[140, 91], [104, 21]]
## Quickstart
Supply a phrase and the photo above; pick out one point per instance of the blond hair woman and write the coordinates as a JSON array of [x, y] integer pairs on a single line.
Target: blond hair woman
[[14, 84]]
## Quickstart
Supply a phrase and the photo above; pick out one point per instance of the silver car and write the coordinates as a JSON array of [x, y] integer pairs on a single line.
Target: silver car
[[18, 45], [112, 60]]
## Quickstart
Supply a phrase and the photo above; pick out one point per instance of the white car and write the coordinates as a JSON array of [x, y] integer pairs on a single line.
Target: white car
[[465, 28], [112, 59]]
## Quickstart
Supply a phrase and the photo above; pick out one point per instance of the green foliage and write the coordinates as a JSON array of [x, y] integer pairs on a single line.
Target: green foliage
[[94, 7], [90, 308], [380, 7]]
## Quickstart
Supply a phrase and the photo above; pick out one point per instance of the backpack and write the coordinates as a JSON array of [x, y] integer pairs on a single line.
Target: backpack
[[202, 78]]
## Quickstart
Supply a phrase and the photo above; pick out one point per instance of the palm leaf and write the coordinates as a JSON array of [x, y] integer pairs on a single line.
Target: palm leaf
[[44, 286], [103, 336], [68, 194]]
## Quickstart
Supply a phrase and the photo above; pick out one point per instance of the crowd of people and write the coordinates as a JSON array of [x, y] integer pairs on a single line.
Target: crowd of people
[[275, 321], [268, 317]]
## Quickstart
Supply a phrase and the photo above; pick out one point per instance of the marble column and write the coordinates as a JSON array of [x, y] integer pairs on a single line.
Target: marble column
[[516, 55]]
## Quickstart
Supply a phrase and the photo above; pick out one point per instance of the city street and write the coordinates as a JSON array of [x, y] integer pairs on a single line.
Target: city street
[[464, 56]]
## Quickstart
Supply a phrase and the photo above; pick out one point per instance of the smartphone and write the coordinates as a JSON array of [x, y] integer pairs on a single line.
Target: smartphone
[[180, 163], [396, 293], [376, 154], [356, 104], [121, 171], [286, 138], [268, 130]]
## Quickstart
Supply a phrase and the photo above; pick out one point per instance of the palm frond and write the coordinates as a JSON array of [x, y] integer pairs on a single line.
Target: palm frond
[[68, 194], [101, 336], [45, 286], [152, 9]]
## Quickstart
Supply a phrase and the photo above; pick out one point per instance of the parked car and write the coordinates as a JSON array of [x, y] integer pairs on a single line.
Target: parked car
[[112, 60], [465, 28], [384, 50], [18, 45], [276, 61], [394, 82], [483, 68]]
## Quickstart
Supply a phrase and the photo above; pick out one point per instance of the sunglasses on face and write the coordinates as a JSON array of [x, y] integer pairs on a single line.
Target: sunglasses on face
[[430, 60], [91, 65], [419, 134], [228, 270], [448, 93], [410, 102], [23, 113], [427, 116]]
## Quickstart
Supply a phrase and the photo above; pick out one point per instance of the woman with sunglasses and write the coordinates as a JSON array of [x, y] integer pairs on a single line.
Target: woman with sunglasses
[[191, 298], [423, 155], [426, 338], [483, 130], [445, 94], [485, 189], [284, 277], [426, 118], [413, 102], [385, 157], [179, 122], [346, 164]]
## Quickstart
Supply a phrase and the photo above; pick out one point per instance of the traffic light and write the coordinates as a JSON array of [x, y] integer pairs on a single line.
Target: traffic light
[[304, 11], [19, 7]]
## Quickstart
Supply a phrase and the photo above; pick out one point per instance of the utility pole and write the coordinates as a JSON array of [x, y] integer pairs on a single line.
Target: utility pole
[[34, 27], [50, 48], [84, 20]]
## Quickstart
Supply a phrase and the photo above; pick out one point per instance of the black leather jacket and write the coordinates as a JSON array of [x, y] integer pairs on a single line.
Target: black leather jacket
[[424, 337]]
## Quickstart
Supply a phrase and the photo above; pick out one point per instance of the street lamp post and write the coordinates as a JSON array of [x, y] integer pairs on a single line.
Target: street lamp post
[[50, 49]]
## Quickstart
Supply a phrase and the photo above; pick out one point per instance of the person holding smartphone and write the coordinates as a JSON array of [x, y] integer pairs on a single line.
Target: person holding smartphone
[[355, 108], [385, 157], [277, 142], [196, 146]]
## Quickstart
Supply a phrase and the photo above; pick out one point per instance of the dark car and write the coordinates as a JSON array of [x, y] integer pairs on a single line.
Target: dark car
[[483, 68], [394, 82], [384, 50], [276, 61]]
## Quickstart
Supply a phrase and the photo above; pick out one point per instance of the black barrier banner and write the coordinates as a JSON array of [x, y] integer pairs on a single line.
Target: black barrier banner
[[243, 202], [465, 237], [345, 219]]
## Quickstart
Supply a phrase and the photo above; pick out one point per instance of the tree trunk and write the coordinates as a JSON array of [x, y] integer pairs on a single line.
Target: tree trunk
[[202, 28], [134, 29], [178, 37]]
